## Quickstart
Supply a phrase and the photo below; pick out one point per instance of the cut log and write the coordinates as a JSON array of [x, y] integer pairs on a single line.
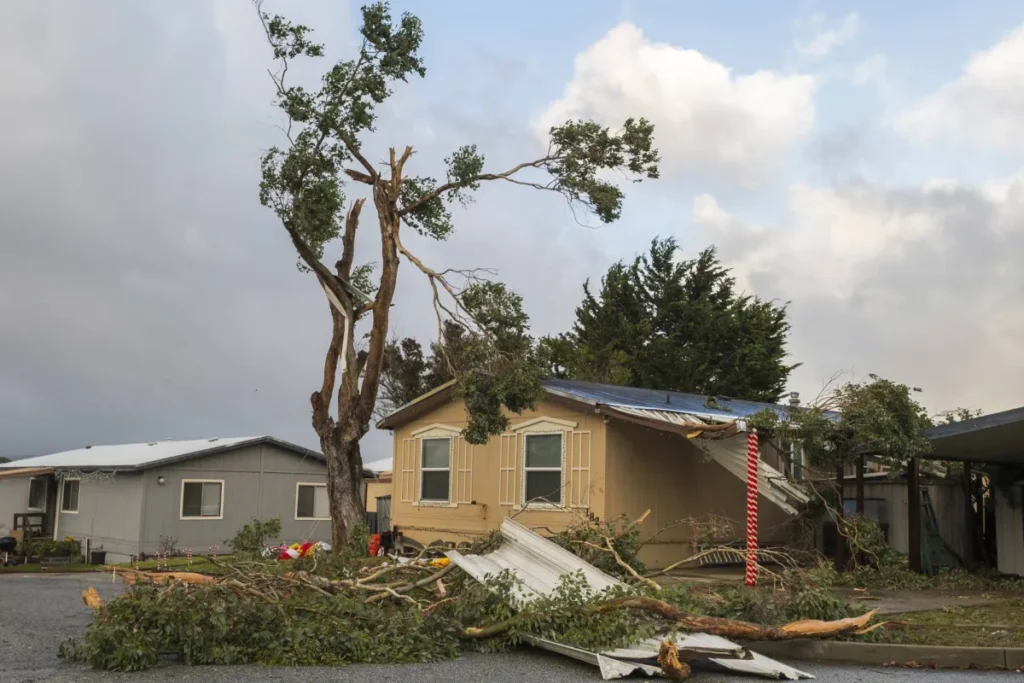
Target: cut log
[[91, 598], [668, 660]]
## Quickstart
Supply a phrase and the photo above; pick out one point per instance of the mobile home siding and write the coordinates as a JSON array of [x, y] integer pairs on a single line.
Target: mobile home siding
[[1010, 532], [109, 515], [641, 468], [13, 500], [483, 508], [259, 482], [947, 500]]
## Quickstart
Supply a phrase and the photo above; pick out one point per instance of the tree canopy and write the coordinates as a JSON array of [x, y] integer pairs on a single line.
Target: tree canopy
[[308, 181], [877, 417], [661, 322]]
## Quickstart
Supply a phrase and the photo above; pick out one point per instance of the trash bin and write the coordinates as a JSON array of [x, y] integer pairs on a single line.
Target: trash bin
[[98, 557]]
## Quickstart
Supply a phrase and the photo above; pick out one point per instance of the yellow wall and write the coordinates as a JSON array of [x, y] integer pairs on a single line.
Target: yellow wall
[[671, 476], [376, 488], [486, 479]]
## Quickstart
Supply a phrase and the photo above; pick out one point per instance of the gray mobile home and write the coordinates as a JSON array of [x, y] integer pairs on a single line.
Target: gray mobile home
[[128, 498]]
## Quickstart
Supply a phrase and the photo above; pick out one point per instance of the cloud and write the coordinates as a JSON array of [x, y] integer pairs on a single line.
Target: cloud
[[916, 284], [144, 292], [985, 104], [707, 119], [822, 44]]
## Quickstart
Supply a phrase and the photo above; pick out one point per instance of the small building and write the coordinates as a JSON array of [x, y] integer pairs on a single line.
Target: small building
[[378, 502], [993, 444], [139, 498], [588, 450]]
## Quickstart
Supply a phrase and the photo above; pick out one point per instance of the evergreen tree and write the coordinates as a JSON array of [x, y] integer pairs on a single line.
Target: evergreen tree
[[679, 325]]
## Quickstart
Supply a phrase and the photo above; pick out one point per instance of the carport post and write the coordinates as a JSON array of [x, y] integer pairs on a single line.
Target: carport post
[[914, 513], [752, 467]]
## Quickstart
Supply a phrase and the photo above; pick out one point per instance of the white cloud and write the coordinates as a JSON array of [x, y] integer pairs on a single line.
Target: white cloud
[[919, 285], [825, 42], [706, 118], [984, 104]]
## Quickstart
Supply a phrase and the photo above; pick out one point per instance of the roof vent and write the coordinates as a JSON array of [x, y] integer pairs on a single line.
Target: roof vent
[[214, 439], [151, 444], [88, 447], [668, 399]]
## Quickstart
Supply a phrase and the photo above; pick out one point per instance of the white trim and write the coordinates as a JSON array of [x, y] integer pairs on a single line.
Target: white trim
[[435, 427], [422, 469], [300, 484], [552, 421], [181, 499], [46, 490], [524, 503], [60, 495]]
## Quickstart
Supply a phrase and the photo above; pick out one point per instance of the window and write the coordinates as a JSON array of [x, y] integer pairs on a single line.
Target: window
[[543, 469], [202, 499], [435, 470], [69, 496], [37, 494], [311, 502]]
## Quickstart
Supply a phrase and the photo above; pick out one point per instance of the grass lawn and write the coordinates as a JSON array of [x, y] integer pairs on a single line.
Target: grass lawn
[[999, 624]]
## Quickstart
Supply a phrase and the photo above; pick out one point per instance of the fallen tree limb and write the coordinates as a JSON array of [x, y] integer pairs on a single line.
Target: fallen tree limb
[[718, 626]]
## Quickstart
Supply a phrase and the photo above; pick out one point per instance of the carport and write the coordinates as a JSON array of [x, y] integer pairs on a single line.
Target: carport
[[995, 440]]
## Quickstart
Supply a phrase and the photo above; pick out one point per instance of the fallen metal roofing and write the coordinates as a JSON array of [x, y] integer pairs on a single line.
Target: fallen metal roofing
[[732, 455], [539, 564], [722, 408]]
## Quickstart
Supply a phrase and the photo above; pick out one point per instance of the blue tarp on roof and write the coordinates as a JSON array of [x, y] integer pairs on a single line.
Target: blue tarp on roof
[[654, 399]]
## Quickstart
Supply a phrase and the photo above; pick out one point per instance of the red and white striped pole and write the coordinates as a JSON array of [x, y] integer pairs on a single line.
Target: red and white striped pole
[[752, 462]]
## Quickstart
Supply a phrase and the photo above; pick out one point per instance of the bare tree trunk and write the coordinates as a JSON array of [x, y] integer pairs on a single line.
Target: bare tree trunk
[[344, 476]]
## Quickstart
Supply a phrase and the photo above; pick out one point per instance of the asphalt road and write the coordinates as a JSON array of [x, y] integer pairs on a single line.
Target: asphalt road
[[38, 612]]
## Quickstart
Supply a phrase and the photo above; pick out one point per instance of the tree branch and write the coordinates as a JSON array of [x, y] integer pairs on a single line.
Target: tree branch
[[348, 240], [447, 187]]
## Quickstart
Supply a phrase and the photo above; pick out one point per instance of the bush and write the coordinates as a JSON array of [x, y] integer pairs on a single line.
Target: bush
[[47, 547], [252, 538]]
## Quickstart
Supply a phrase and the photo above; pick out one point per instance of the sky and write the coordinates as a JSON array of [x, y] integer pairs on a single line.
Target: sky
[[861, 161]]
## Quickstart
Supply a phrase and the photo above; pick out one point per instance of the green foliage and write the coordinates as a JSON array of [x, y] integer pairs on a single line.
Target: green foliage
[[302, 183], [663, 323], [496, 365], [879, 417], [586, 540], [212, 624], [252, 538], [47, 547]]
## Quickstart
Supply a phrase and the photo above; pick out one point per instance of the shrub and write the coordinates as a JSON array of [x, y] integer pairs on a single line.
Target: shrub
[[252, 538]]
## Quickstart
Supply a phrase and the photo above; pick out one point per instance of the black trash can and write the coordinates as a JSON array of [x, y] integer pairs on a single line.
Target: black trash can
[[98, 557]]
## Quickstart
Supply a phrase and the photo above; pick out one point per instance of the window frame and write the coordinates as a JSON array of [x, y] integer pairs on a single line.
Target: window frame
[[419, 495], [544, 505], [181, 500], [64, 496], [46, 487], [299, 485]]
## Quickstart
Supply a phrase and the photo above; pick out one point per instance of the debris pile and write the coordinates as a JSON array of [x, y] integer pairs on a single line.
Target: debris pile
[[526, 589]]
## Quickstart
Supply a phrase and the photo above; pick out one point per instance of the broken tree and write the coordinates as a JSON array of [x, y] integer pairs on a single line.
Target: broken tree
[[305, 183]]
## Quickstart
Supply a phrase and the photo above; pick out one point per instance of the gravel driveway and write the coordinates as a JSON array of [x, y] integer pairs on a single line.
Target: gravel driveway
[[37, 612]]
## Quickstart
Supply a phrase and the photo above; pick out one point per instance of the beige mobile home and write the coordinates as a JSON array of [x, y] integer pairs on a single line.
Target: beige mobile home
[[586, 449]]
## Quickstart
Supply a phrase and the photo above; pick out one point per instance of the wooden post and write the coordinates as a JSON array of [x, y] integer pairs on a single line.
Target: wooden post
[[914, 513], [970, 551], [841, 555]]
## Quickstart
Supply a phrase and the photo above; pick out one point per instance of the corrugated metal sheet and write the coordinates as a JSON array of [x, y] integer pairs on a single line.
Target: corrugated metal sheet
[[653, 399], [772, 484], [539, 563]]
